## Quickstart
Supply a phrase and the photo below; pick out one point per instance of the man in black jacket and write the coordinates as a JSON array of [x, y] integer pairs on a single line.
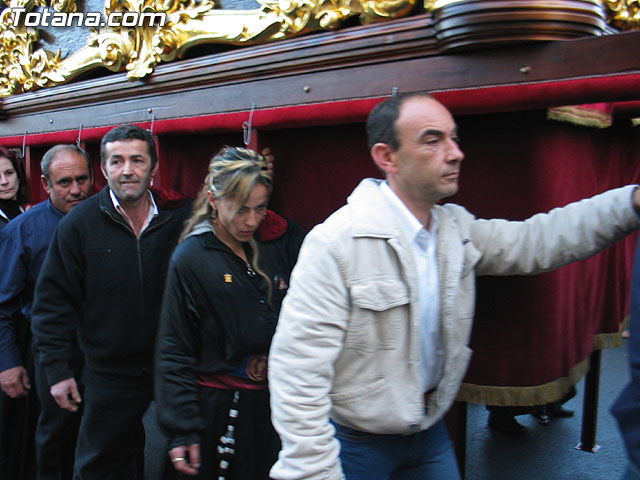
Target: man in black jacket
[[106, 267]]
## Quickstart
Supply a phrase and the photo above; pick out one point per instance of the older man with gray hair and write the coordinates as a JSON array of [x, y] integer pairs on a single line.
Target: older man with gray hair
[[67, 178]]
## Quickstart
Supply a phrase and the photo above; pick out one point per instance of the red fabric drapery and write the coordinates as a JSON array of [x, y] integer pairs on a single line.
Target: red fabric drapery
[[535, 333], [532, 333], [477, 100]]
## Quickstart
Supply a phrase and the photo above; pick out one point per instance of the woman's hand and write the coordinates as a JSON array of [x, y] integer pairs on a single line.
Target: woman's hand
[[186, 459]]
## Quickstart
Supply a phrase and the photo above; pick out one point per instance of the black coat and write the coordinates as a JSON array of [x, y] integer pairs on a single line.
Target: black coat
[[97, 271], [214, 315]]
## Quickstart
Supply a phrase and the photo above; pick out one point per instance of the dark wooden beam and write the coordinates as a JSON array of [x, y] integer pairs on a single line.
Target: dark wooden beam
[[353, 63]]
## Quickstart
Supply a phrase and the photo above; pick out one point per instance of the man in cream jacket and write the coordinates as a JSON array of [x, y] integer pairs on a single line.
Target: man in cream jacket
[[371, 345]]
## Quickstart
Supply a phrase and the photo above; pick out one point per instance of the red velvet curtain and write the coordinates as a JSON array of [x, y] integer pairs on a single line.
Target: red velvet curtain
[[536, 332], [532, 334]]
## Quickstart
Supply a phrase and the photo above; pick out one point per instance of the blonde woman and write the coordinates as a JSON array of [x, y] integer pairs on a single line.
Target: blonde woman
[[220, 309]]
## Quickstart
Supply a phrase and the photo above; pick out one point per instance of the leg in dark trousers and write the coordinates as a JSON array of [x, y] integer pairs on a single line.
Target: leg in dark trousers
[[18, 419], [111, 439], [56, 434]]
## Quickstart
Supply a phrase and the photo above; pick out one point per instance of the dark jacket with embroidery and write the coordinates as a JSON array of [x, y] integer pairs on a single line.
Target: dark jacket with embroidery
[[214, 315], [98, 271]]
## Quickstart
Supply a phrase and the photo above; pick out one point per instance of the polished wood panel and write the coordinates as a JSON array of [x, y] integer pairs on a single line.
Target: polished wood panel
[[354, 63], [475, 24]]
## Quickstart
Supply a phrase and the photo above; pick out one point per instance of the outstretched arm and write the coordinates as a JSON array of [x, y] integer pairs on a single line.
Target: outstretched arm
[[550, 240]]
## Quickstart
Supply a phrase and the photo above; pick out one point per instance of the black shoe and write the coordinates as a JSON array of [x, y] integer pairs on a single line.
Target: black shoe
[[562, 412], [505, 424]]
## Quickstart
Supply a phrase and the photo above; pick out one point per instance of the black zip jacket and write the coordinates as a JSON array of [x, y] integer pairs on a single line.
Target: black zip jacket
[[214, 314], [96, 270]]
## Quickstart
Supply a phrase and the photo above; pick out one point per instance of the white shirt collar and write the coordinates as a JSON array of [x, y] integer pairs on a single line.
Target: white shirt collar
[[153, 210], [409, 224]]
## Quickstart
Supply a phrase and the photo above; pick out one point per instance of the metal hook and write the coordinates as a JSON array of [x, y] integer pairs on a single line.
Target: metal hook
[[153, 120], [79, 136], [24, 144], [394, 91], [246, 126]]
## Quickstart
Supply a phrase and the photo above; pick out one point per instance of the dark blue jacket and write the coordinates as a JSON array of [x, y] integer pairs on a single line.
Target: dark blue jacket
[[98, 273], [23, 246], [626, 408]]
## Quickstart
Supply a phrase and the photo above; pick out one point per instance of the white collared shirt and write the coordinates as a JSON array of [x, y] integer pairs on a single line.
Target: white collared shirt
[[423, 245], [153, 211]]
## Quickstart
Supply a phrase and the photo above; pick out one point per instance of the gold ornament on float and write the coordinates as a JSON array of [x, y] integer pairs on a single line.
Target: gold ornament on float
[[188, 23], [623, 14]]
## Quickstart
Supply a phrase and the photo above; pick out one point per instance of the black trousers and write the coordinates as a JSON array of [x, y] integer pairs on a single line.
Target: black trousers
[[18, 419], [256, 444], [111, 438], [56, 434]]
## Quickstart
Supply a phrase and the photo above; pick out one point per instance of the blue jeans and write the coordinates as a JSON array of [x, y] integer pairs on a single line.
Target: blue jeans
[[420, 456], [632, 473]]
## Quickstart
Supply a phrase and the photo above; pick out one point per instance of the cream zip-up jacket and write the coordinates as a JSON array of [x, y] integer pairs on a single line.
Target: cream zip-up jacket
[[347, 344]]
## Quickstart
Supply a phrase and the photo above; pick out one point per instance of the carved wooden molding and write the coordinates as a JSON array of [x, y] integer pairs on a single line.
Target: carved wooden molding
[[356, 63], [139, 50], [488, 23]]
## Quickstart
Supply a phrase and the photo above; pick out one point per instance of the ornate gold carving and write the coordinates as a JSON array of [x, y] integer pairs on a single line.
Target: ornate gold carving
[[275, 20], [433, 4], [624, 14], [61, 5], [22, 68], [137, 50], [188, 23]]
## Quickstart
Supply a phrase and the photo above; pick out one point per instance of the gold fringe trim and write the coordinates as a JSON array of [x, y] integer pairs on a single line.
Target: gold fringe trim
[[585, 117], [538, 394]]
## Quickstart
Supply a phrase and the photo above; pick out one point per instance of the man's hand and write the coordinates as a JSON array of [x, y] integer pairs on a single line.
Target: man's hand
[[66, 394], [15, 382], [635, 200], [186, 459], [269, 158]]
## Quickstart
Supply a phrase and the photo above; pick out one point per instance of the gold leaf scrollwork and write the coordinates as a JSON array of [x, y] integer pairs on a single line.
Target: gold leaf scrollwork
[[624, 14], [430, 5], [137, 50], [22, 68], [68, 6], [188, 23]]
